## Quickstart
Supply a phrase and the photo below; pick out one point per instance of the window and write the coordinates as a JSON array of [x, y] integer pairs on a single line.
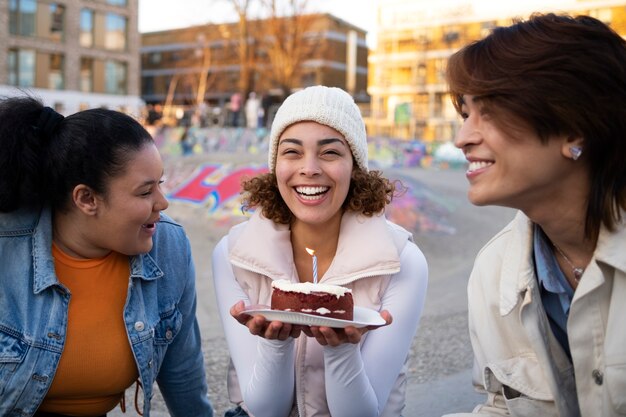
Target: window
[[57, 18], [12, 67], [27, 19], [440, 69], [22, 67], [22, 17], [422, 73], [155, 58], [86, 75], [55, 72], [115, 32], [86, 28], [147, 85], [117, 2], [115, 77]]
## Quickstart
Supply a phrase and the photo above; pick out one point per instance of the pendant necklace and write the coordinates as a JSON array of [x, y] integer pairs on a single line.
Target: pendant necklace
[[578, 272]]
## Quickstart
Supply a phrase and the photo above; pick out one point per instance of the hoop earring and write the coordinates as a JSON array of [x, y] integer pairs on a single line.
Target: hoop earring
[[576, 151]]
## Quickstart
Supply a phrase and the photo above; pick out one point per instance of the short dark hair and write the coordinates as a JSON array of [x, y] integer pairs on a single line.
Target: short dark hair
[[558, 75], [89, 147], [369, 193]]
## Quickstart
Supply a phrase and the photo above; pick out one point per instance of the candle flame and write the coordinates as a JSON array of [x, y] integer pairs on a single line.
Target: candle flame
[[310, 251]]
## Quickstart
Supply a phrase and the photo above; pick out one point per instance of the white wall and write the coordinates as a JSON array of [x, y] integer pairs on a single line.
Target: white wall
[[72, 101]]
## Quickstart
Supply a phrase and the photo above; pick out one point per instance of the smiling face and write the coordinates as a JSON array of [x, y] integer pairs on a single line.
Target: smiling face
[[313, 170], [127, 216], [506, 168]]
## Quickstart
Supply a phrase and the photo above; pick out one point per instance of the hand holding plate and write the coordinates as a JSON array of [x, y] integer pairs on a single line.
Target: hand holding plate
[[259, 326]]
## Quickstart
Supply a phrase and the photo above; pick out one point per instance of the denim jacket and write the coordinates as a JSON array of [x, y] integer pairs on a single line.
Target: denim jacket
[[159, 315]]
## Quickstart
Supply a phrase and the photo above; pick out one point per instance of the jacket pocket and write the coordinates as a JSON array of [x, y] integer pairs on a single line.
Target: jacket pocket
[[168, 327], [165, 331], [521, 405], [523, 375], [12, 353], [615, 377]]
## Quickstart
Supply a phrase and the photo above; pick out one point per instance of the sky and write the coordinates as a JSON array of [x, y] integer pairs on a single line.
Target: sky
[[169, 14], [157, 15]]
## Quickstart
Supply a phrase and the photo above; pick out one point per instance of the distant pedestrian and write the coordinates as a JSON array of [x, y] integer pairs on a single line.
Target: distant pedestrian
[[253, 106], [234, 110], [187, 141], [544, 109], [97, 286]]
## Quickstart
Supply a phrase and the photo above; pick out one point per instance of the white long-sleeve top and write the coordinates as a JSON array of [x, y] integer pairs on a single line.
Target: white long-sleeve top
[[384, 269]]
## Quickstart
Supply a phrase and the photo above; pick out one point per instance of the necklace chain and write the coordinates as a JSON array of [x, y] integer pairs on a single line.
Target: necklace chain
[[578, 272]]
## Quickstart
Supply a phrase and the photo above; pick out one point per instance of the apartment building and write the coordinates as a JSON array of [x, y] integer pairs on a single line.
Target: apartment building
[[73, 54], [173, 61], [414, 40]]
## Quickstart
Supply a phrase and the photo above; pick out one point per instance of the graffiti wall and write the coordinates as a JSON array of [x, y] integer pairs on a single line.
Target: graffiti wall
[[204, 180]]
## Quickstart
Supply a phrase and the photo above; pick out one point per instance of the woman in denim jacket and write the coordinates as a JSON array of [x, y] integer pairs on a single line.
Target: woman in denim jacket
[[96, 285]]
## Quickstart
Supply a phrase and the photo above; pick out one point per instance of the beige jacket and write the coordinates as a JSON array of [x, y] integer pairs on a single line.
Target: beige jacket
[[366, 258], [518, 361]]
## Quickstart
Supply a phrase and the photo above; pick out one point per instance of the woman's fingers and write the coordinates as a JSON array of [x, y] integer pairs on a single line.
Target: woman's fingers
[[327, 336]]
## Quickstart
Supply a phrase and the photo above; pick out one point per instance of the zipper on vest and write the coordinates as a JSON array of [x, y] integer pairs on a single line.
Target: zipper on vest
[[300, 354]]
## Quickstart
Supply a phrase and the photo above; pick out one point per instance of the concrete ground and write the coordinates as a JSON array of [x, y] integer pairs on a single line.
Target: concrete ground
[[440, 359]]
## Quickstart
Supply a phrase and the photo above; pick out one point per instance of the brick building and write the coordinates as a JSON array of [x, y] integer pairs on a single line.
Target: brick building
[[74, 54], [173, 61]]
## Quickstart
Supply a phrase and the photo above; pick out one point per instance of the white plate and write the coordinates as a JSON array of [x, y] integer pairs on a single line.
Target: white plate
[[362, 317]]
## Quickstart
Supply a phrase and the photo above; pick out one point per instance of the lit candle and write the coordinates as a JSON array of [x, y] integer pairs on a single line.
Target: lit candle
[[312, 253]]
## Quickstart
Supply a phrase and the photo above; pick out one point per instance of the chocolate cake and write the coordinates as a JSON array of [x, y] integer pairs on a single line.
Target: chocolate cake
[[323, 300]]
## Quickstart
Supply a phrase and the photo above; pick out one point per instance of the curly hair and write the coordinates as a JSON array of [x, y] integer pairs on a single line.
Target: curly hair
[[368, 194]]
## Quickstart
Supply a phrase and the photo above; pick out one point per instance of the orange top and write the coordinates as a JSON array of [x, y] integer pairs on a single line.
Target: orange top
[[97, 363]]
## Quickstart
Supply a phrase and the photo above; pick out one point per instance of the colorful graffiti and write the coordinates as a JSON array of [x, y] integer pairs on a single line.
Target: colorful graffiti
[[217, 188], [420, 210], [205, 180], [383, 152]]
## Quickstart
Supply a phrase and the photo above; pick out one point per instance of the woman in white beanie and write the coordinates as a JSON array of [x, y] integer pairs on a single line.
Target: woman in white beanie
[[319, 194]]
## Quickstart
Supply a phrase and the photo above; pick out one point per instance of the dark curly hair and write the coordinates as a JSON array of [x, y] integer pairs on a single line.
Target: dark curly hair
[[369, 193]]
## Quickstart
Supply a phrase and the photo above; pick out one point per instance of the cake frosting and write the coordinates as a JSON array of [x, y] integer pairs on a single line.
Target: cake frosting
[[309, 287], [324, 300]]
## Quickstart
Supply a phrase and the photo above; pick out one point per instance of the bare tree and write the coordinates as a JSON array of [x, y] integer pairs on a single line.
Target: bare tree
[[245, 44], [206, 78], [282, 40], [289, 42]]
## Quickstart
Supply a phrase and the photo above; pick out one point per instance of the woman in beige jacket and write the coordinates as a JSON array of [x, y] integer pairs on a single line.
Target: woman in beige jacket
[[544, 109], [319, 194]]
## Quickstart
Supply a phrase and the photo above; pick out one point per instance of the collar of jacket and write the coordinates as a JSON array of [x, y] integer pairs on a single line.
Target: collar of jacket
[[610, 246], [517, 270], [366, 247], [518, 273]]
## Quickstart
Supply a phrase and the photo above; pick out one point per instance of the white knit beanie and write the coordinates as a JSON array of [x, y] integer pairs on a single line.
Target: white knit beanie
[[328, 106]]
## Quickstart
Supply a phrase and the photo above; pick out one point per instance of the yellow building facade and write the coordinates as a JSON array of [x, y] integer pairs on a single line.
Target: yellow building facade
[[406, 81]]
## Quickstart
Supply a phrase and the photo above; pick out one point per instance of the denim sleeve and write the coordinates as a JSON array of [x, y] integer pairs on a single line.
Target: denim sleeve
[[182, 379]]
